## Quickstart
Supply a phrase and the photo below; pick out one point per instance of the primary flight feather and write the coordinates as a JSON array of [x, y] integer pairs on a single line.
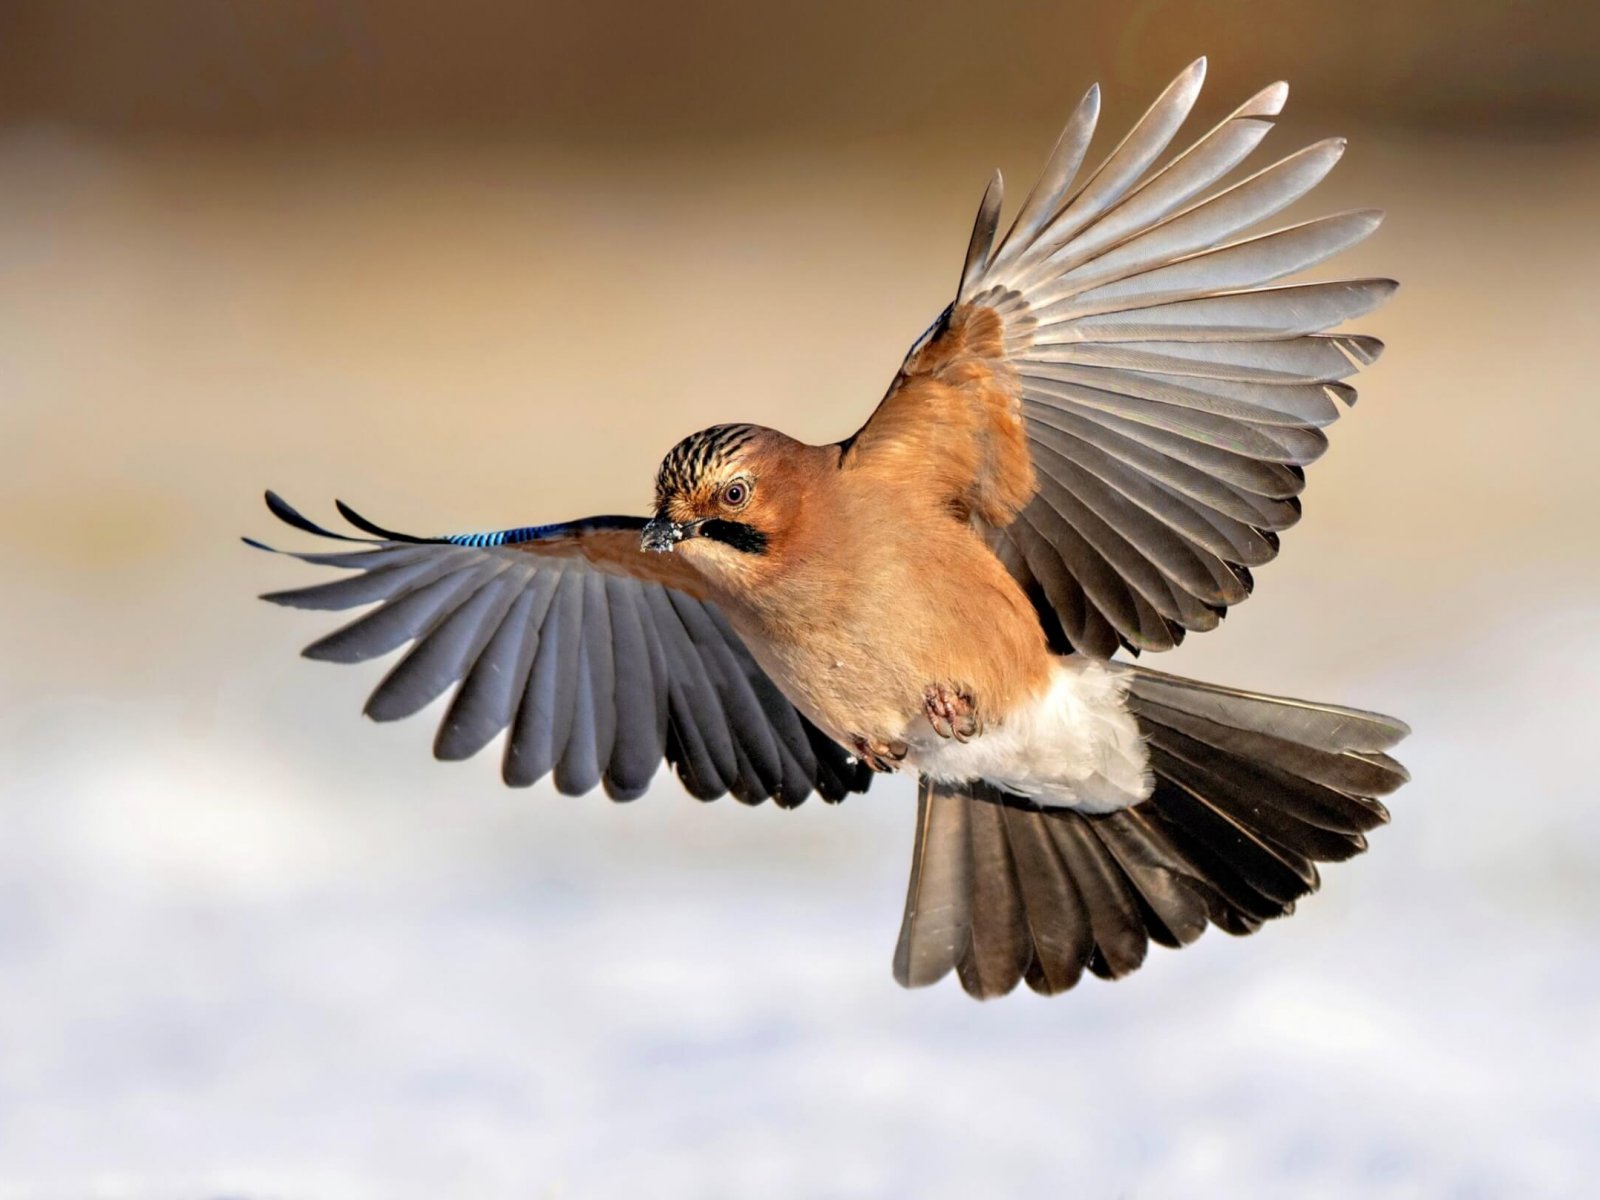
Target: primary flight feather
[[1089, 451]]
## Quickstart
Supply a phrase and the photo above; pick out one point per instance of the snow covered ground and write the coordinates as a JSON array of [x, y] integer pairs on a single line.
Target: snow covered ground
[[223, 972]]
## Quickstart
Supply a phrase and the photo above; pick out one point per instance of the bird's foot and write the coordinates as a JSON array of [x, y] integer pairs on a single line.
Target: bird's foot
[[879, 755], [952, 711]]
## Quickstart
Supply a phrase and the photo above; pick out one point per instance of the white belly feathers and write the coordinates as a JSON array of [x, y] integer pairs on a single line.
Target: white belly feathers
[[1076, 746]]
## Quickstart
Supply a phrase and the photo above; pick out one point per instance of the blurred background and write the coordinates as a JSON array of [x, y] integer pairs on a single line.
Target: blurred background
[[476, 265]]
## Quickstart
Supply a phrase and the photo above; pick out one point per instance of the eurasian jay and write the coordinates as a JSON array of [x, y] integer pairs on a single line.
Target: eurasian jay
[[1089, 451]]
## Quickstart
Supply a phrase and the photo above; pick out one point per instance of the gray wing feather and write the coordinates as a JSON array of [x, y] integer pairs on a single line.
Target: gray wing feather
[[1277, 312], [1118, 174], [1246, 264], [544, 714], [1182, 542], [486, 702], [698, 707], [1188, 175], [594, 676], [437, 661], [401, 619], [982, 233], [1205, 225], [594, 717], [1058, 172], [1173, 487], [1319, 358], [1173, 389], [640, 738], [1144, 553], [379, 580], [1294, 405], [753, 737]]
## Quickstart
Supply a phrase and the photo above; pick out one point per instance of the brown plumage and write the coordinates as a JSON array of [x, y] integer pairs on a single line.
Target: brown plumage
[[1091, 449], [812, 605]]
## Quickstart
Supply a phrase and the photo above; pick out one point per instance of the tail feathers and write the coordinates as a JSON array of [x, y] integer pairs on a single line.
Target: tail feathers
[[1251, 793]]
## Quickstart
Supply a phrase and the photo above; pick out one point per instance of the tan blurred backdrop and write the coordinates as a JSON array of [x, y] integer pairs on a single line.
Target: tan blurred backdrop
[[474, 265]]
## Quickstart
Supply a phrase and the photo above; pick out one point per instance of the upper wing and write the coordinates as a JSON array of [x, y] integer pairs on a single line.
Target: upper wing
[[598, 658], [1116, 394]]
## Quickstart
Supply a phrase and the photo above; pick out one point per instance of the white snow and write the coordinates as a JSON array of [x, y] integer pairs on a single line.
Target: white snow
[[338, 971]]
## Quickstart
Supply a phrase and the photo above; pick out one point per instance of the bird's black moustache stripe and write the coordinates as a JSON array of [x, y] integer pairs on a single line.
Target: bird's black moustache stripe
[[746, 539]]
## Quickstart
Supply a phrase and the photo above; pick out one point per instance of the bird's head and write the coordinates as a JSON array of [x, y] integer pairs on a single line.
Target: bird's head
[[724, 497]]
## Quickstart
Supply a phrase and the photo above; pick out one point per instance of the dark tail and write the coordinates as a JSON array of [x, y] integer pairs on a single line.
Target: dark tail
[[1251, 792]]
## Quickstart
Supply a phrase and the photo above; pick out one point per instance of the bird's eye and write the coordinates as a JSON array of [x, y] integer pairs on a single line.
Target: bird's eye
[[736, 493]]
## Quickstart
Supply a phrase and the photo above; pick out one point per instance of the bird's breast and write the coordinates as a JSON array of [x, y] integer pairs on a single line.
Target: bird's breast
[[856, 639], [834, 678]]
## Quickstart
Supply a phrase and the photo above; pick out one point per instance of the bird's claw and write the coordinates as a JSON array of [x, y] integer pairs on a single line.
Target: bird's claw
[[952, 712], [881, 756]]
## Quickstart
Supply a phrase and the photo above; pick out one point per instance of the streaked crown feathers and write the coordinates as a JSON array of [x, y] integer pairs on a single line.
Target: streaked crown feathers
[[698, 457]]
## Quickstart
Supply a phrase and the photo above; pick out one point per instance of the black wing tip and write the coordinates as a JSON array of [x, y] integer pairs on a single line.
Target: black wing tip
[[288, 513], [372, 527], [291, 516]]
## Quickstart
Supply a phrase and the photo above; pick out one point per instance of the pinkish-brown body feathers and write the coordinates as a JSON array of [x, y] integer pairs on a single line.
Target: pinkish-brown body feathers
[[876, 581]]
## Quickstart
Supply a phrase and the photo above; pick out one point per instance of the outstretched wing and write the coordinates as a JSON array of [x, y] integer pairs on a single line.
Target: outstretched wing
[[1116, 393], [600, 660]]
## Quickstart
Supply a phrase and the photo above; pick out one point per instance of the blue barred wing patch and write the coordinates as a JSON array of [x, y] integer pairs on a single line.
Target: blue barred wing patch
[[543, 533]]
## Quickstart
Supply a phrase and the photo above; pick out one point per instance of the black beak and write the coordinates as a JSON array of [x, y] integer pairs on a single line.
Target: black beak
[[662, 535]]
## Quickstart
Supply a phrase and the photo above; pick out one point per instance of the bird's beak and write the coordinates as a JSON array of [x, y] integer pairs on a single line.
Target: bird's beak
[[662, 535]]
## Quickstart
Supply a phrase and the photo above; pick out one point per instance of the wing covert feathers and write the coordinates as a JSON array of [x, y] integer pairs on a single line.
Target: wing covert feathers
[[1252, 792], [1125, 390], [590, 656]]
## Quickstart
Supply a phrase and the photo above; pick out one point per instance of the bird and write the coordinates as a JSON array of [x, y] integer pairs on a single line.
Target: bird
[[1084, 458]]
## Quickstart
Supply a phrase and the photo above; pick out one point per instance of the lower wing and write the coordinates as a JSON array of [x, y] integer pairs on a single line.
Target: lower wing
[[597, 660]]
